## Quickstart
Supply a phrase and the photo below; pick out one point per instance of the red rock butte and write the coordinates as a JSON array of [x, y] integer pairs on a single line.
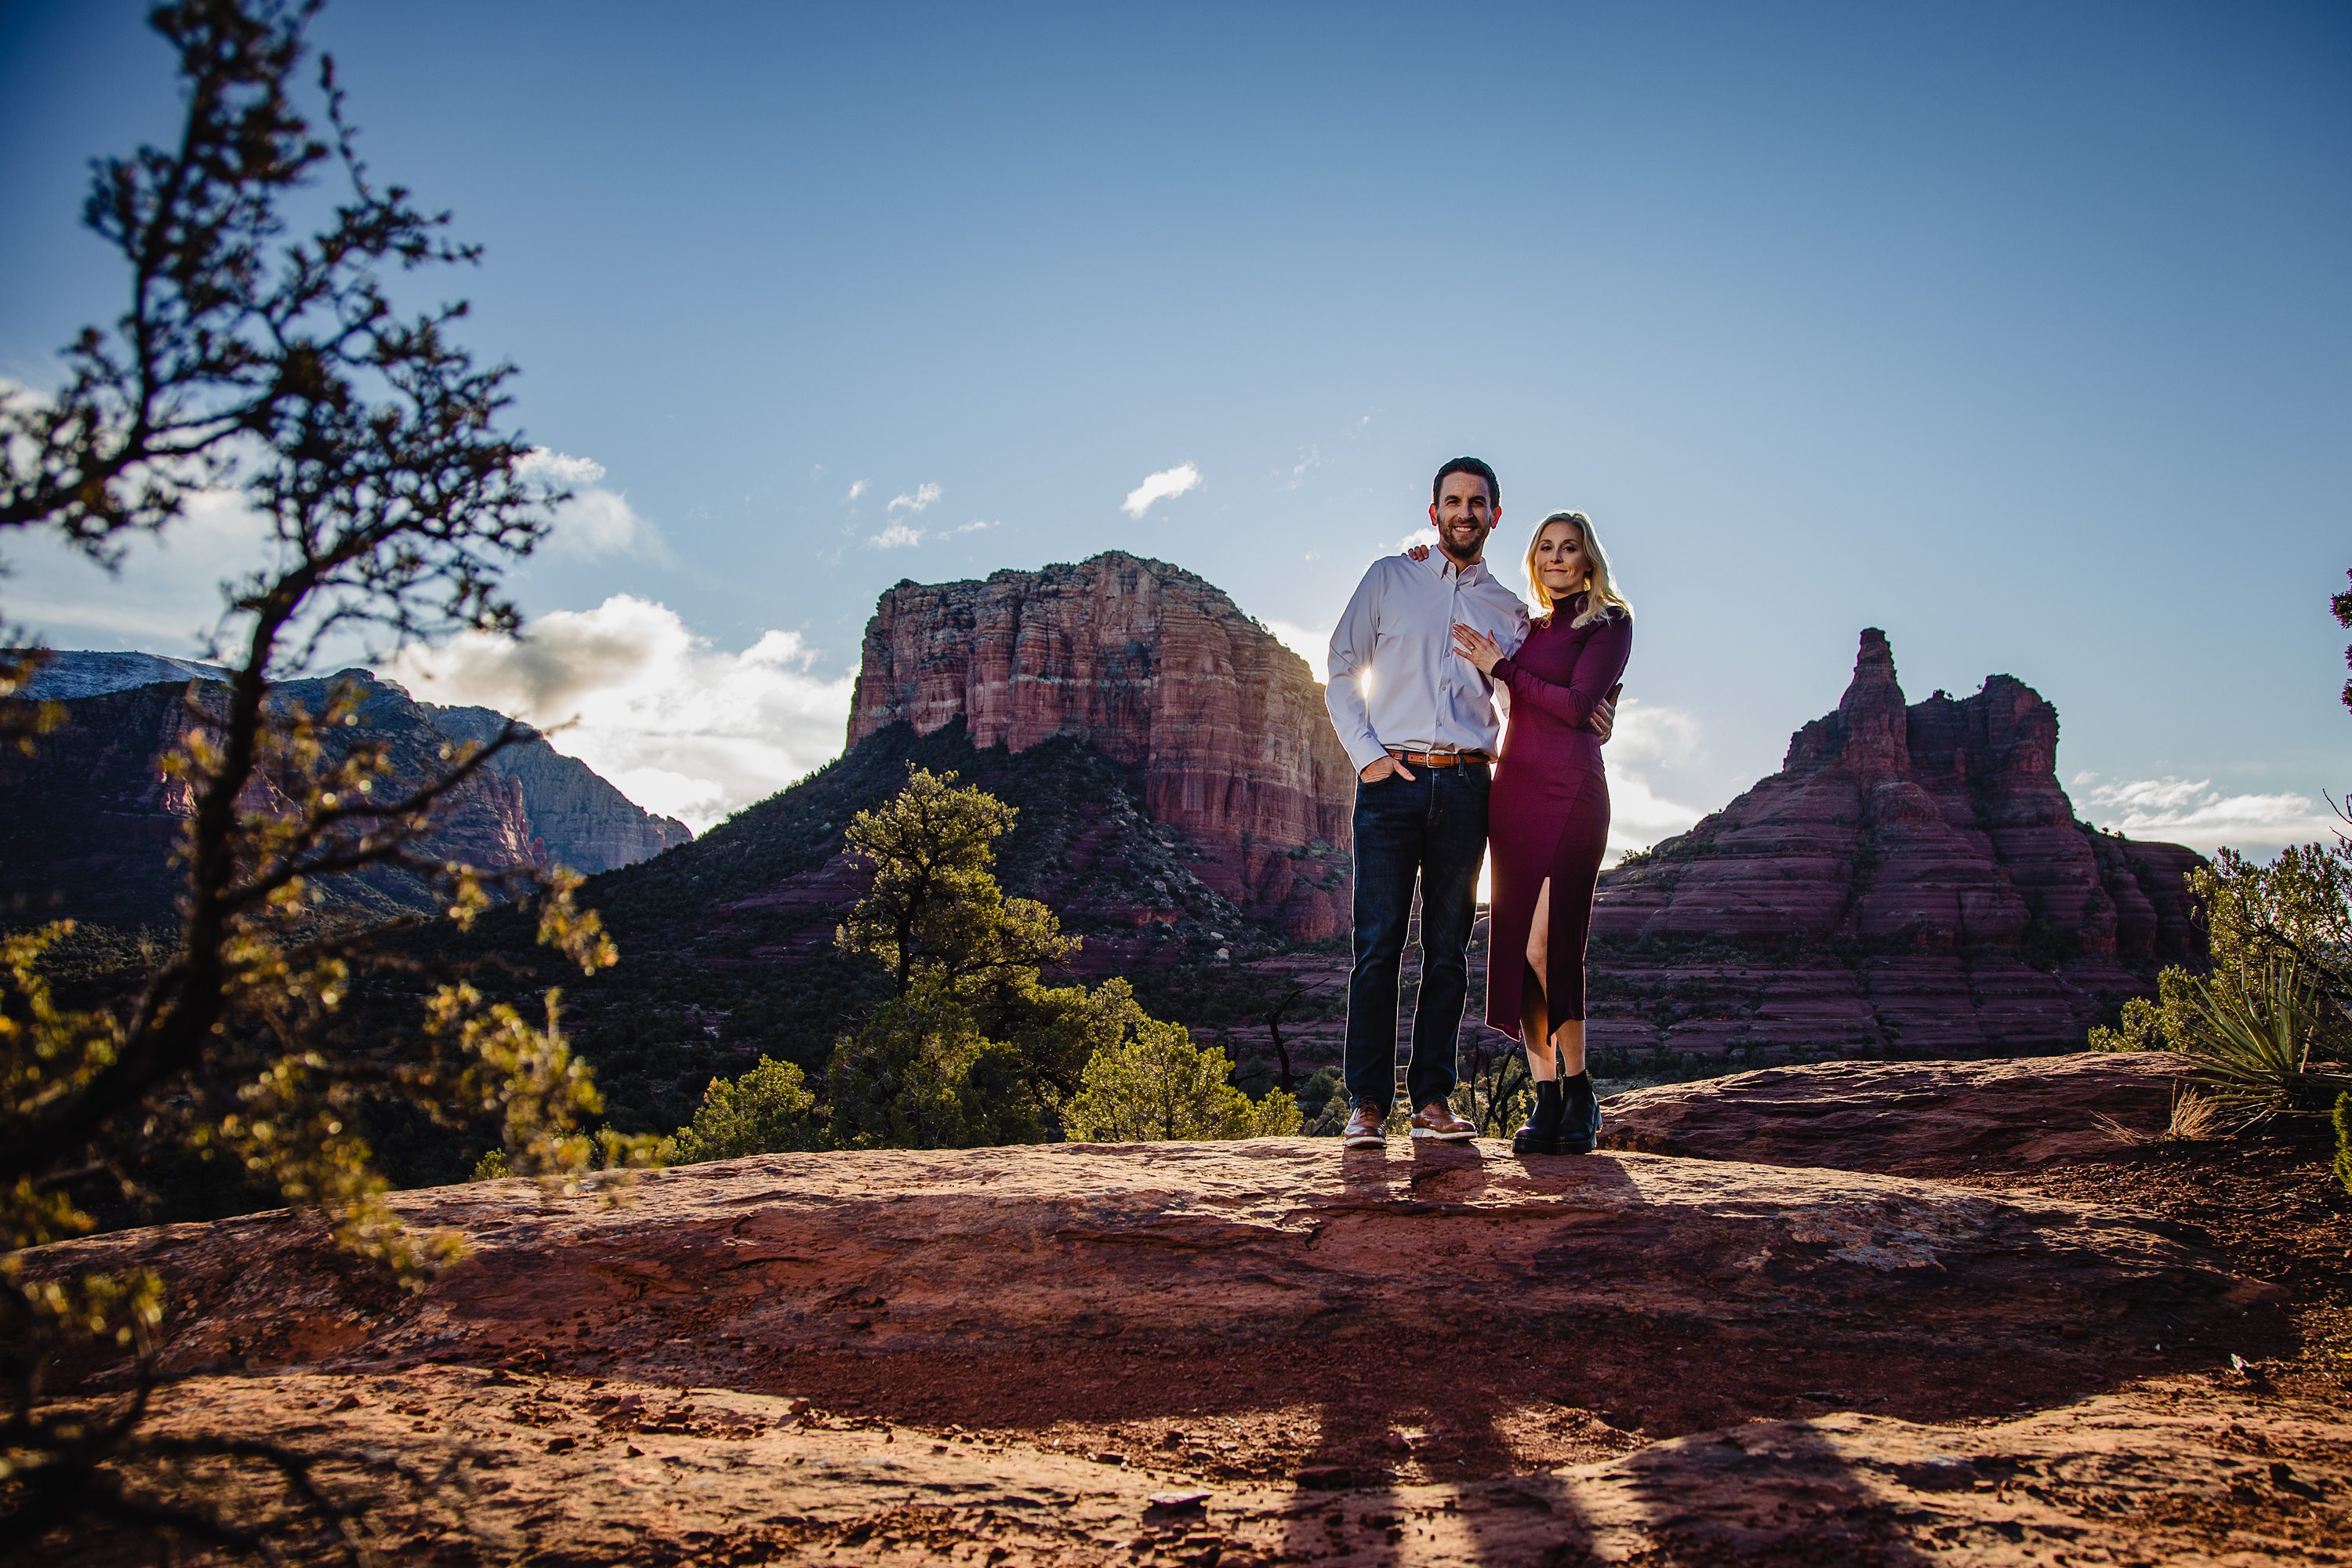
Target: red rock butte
[[1158, 670], [1926, 854]]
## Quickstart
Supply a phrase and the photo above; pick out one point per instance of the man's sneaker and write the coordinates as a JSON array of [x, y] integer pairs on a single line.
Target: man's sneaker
[[1437, 1120], [1364, 1128]]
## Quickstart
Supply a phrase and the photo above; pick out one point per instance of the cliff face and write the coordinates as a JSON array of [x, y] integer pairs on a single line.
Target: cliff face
[[89, 821], [1930, 847], [1157, 669], [583, 822]]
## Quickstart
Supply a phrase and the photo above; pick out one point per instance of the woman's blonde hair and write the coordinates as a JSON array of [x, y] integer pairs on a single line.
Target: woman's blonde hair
[[1602, 596]]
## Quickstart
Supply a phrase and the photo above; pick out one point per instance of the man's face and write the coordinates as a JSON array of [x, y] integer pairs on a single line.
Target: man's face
[[1464, 515]]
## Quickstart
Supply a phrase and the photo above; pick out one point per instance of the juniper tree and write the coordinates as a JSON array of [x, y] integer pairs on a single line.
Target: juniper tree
[[974, 1048], [371, 448]]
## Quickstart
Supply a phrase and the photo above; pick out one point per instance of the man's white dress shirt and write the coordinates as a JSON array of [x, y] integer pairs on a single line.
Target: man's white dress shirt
[[1395, 678]]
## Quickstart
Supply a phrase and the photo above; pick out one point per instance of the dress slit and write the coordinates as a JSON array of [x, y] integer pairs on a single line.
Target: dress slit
[[1575, 870]]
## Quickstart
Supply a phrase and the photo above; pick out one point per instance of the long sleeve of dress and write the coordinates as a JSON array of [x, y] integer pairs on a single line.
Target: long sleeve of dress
[[1598, 667]]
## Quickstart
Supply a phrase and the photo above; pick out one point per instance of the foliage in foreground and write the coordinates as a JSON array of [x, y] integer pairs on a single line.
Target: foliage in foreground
[[369, 446], [2343, 1139], [2260, 1033], [2268, 1031]]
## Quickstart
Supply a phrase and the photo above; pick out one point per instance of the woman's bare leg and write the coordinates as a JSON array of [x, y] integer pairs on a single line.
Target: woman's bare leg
[[1569, 1037], [1534, 1019]]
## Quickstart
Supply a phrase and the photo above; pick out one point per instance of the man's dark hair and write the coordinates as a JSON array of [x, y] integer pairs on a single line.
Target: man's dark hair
[[1467, 466]]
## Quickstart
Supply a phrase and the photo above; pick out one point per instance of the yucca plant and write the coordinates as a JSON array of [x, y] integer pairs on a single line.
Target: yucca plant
[[2252, 1058]]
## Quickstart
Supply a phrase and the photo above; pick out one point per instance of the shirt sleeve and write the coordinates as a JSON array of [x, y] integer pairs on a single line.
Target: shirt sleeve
[[1511, 640], [1350, 660], [1598, 667]]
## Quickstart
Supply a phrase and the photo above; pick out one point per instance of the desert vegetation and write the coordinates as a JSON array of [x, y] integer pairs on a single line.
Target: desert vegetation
[[970, 1045], [2266, 1033], [370, 446]]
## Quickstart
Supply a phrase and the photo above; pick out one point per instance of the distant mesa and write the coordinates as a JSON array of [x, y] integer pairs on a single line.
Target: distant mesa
[[1222, 725], [1920, 879], [1912, 882], [89, 821]]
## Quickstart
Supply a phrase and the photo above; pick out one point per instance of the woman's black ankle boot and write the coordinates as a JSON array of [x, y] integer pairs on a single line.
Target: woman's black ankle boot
[[1579, 1125], [1541, 1134]]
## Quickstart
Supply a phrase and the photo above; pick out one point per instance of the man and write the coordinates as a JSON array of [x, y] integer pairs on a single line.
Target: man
[[1419, 722]]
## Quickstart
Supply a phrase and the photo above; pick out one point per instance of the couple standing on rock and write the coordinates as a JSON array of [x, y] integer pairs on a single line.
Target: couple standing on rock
[[1428, 643]]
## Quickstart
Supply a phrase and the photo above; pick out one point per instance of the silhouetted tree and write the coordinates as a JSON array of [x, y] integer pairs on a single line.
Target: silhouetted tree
[[368, 444], [2342, 605]]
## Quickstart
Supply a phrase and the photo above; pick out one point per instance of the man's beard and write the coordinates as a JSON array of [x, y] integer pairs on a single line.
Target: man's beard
[[1465, 553]]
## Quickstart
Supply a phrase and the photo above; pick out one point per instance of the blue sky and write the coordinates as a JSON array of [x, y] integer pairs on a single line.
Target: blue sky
[[2019, 331]]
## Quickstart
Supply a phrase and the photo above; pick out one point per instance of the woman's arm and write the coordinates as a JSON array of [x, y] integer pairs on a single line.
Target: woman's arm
[[1598, 664]]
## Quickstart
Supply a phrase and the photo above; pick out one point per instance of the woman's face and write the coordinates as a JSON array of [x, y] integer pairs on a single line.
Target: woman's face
[[1560, 562]]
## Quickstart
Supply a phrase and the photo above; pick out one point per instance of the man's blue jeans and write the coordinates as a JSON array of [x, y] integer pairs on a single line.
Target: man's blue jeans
[[1433, 825]]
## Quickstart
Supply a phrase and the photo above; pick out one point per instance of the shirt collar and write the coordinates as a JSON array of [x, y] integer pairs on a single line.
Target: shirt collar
[[1473, 573]]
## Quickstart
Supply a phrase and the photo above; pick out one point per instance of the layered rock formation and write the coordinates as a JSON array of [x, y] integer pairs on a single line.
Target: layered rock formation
[[88, 820], [1912, 878], [579, 818], [1211, 1351], [1157, 669], [1909, 1119]]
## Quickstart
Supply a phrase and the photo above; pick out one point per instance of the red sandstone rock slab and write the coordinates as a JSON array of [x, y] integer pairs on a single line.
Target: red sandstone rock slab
[[1916, 1118], [560, 1469], [934, 1285]]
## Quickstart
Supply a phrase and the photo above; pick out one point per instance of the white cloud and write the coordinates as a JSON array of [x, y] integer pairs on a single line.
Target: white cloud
[[1647, 737], [2192, 812], [680, 727], [595, 522], [1648, 732], [165, 599], [559, 467], [1312, 460], [1418, 536], [856, 489], [1160, 487], [920, 502], [900, 535]]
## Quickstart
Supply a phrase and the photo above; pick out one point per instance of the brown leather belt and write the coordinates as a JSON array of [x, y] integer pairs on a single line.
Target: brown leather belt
[[1436, 758]]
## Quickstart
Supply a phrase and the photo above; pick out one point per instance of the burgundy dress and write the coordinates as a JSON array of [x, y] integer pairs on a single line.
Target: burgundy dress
[[1548, 813]]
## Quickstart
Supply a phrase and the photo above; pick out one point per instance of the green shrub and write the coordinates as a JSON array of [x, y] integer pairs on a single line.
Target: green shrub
[[2343, 1139], [768, 1111], [2251, 1048], [1156, 1084], [920, 1075]]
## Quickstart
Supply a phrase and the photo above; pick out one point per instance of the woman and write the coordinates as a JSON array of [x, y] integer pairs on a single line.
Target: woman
[[1547, 822]]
